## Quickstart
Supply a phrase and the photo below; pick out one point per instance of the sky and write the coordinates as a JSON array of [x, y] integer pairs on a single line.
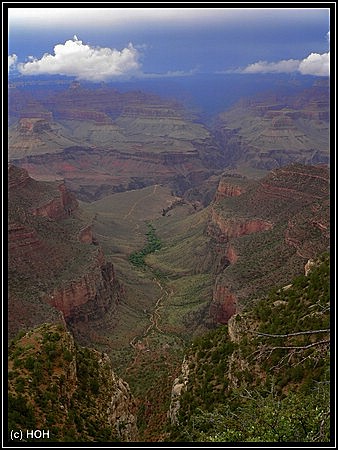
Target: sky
[[104, 44]]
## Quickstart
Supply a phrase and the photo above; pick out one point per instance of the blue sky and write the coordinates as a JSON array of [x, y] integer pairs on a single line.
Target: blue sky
[[102, 44]]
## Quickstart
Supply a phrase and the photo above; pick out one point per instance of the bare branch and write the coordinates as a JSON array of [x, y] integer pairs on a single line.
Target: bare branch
[[264, 352], [300, 347], [327, 330]]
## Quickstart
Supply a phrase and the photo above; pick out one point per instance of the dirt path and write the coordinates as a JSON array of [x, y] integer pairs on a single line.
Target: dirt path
[[154, 319], [140, 200]]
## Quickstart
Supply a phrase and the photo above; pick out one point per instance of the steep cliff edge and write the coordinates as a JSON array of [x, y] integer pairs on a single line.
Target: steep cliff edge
[[69, 390], [102, 141], [257, 379], [263, 232], [269, 131], [55, 265]]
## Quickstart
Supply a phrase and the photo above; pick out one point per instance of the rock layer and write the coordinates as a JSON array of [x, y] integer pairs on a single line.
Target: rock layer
[[54, 258], [270, 131], [265, 235]]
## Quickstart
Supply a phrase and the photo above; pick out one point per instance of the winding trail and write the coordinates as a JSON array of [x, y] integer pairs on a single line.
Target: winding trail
[[154, 320], [139, 201]]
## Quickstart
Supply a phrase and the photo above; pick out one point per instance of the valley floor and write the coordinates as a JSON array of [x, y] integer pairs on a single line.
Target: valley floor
[[163, 302]]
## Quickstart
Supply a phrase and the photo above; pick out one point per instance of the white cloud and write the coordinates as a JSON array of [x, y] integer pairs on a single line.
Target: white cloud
[[12, 59], [170, 74], [74, 58], [316, 64], [284, 66]]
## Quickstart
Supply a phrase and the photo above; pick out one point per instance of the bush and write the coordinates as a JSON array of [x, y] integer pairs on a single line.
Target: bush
[[153, 244], [20, 413], [67, 355], [29, 363]]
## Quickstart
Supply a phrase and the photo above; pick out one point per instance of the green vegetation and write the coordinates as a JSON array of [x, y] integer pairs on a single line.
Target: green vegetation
[[270, 382], [262, 416], [153, 244], [58, 386]]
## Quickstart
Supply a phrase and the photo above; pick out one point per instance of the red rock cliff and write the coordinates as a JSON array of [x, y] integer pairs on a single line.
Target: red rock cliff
[[223, 304], [77, 114], [88, 296], [228, 189], [58, 208], [47, 263], [233, 228]]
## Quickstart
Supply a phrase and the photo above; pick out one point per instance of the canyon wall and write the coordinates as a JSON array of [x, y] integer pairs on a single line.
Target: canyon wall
[[49, 261], [262, 232], [269, 131], [88, 297]]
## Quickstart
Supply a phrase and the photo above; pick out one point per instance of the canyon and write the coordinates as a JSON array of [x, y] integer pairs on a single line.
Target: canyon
[[214, 260], [238, 208], [53, 256], [275, 130], [101, 141], [271, 217]]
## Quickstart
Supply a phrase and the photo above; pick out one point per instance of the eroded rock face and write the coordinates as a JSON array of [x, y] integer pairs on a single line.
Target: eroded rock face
[[33, 125], [266, 234], [223, 305], [132, 140], [89, 296], [231, 254], [78, 114], [120, 410], [309, 266], [49, 262], [58, 208], [228, 189], [269, 131], [22, 240], [233, 228], [179, 386]]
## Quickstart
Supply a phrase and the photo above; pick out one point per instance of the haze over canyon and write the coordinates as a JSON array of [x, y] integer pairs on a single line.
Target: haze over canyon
[[169, 235]]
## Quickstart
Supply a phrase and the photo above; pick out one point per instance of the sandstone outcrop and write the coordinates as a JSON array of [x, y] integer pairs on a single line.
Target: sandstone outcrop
[[265, 235], [33, 125], [309, 266], [223, 305], [89, 296], [58, 208], [49, 261], [78, 114], [22, 240], [233, 228], [179, 386], [228, 189]]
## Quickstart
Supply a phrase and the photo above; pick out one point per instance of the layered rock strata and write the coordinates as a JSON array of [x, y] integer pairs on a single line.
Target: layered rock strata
[[263, 232], [54, 258]]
